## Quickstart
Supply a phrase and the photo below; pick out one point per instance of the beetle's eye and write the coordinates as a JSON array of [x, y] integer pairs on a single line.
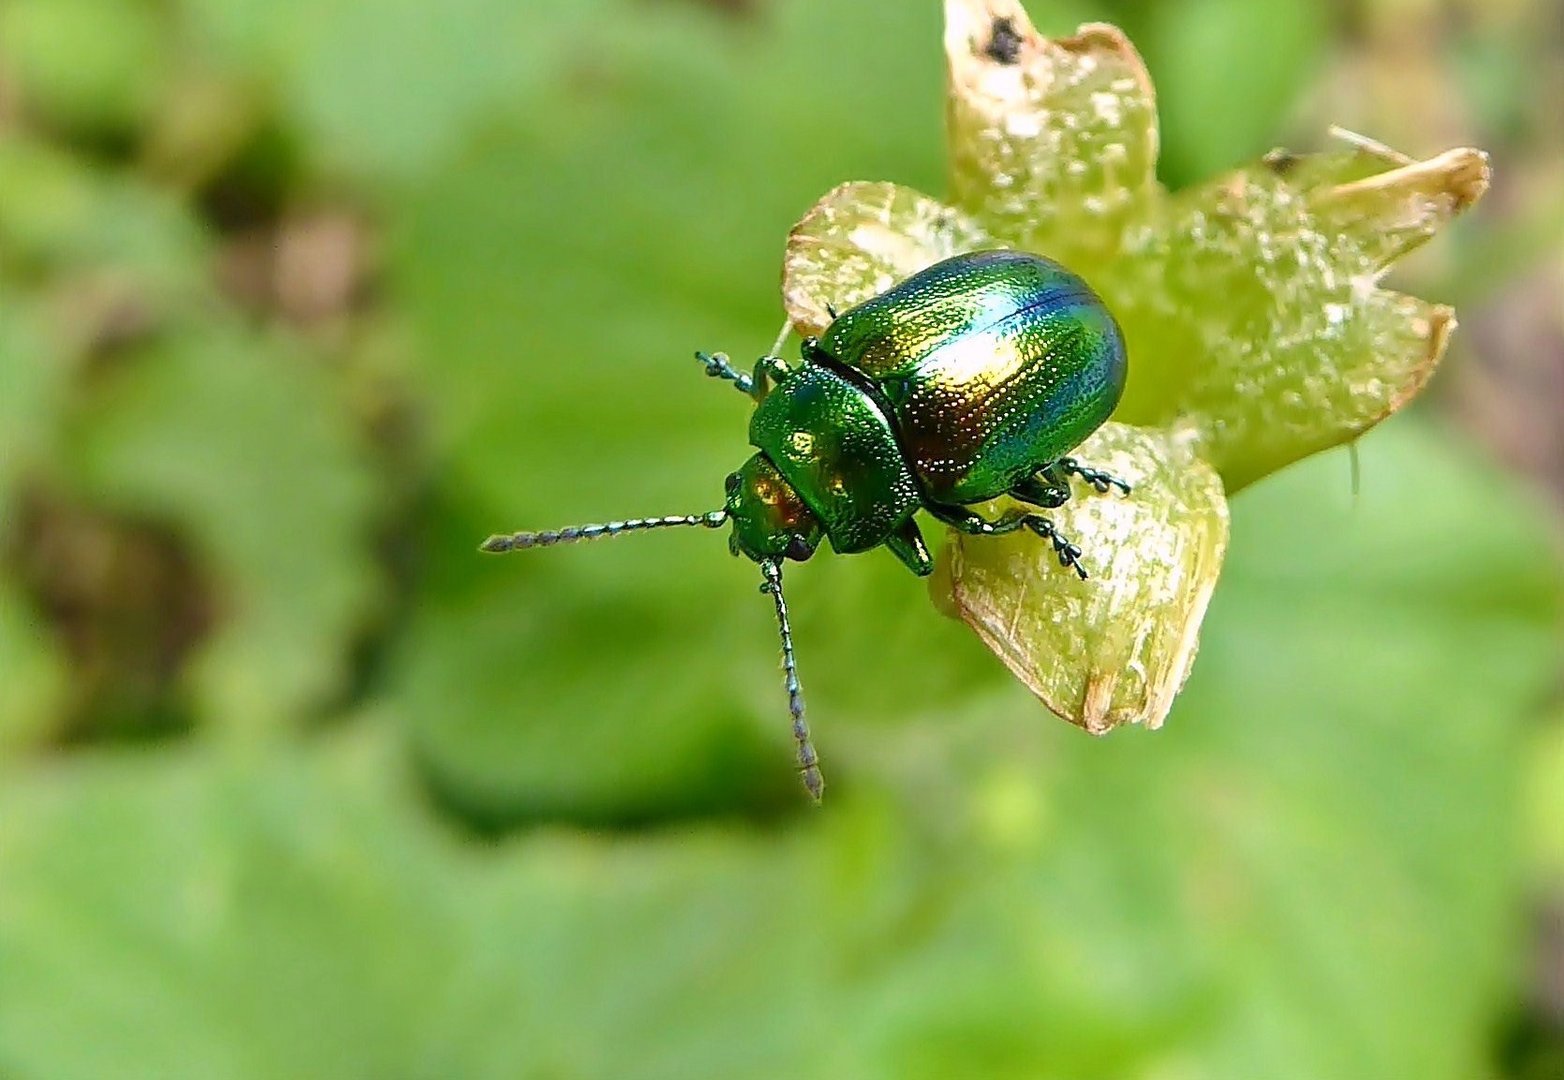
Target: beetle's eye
[[731, 484], [798, 549]]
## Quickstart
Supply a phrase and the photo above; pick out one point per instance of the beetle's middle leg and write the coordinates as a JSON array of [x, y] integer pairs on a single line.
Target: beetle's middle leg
[[970, 522], [768, 370], [1042, 491]]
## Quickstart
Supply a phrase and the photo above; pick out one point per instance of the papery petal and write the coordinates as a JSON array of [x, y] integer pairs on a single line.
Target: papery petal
[[859, 240], [1252, 309], [1116, 648], [1400, 205], [1053, 142]]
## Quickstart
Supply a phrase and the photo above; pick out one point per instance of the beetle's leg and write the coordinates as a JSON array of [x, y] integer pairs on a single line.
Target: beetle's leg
[[969, 522], [1042, 490], [907, 544], [767, 371], [1102, 481], [718, 367]]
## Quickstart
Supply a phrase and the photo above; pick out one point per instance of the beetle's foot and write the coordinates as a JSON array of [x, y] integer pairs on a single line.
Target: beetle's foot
[[1069, 554], [1099, 480], [719, 367]]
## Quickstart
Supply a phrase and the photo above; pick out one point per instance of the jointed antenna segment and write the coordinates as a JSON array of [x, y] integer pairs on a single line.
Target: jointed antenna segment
[[808, 760], [520, 541]]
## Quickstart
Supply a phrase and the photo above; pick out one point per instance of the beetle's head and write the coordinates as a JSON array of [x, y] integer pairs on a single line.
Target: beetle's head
[[770, 521]]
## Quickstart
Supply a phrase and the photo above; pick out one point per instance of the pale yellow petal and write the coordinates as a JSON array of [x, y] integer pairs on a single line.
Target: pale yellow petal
[[1053, 142], [1253, 311], [859, 240], [1113, 649]]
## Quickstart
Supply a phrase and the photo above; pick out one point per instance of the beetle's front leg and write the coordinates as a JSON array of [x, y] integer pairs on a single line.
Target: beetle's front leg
[[1102, 481], [768, 371], [973, 524]]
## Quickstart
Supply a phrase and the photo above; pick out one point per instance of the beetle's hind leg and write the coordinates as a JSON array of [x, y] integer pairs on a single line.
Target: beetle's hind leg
[[973, 524], [1065, 467]]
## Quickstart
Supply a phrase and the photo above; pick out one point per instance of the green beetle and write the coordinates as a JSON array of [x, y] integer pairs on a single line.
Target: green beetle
[[970, 379]]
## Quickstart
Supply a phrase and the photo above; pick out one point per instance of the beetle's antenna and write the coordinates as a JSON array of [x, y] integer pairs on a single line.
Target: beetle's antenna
[[808, 760], [520, 541]]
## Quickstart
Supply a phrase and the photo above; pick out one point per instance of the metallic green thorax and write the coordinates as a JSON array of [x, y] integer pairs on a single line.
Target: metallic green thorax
[[837, 448], [994, 364]]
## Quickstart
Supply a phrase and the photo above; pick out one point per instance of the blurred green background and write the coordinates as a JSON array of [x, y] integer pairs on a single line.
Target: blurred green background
[[301, 298]]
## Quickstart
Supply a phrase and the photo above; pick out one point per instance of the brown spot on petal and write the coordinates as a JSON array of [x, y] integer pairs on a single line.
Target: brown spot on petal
[[1053, 141], [1097, 703], [1280, 161], [1004, 43], [1436, 329]]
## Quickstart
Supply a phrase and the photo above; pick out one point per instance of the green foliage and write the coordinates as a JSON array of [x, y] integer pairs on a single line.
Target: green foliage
[[1311, 872], [244, 443], [32, 692], [1215, 55], [91, 65], [1286, 861]]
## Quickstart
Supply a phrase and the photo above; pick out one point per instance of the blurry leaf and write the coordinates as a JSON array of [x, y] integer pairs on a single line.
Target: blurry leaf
[[95, 65], [555, 298], [1308, 874], [387, 88], [562, 388], [1545, 801], [538, 699], [1114, 649], [32, 675], [1351, 783], [1229, 75], [215, 918], [237, 442], [34, 376], [58, 215], [1053, 142]]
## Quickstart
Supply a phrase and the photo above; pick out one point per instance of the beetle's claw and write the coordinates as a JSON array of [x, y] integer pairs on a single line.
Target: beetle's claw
[[1069, 554], [1100, 481]]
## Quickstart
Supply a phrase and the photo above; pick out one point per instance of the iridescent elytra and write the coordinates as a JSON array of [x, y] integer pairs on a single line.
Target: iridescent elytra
[[970, 379]]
